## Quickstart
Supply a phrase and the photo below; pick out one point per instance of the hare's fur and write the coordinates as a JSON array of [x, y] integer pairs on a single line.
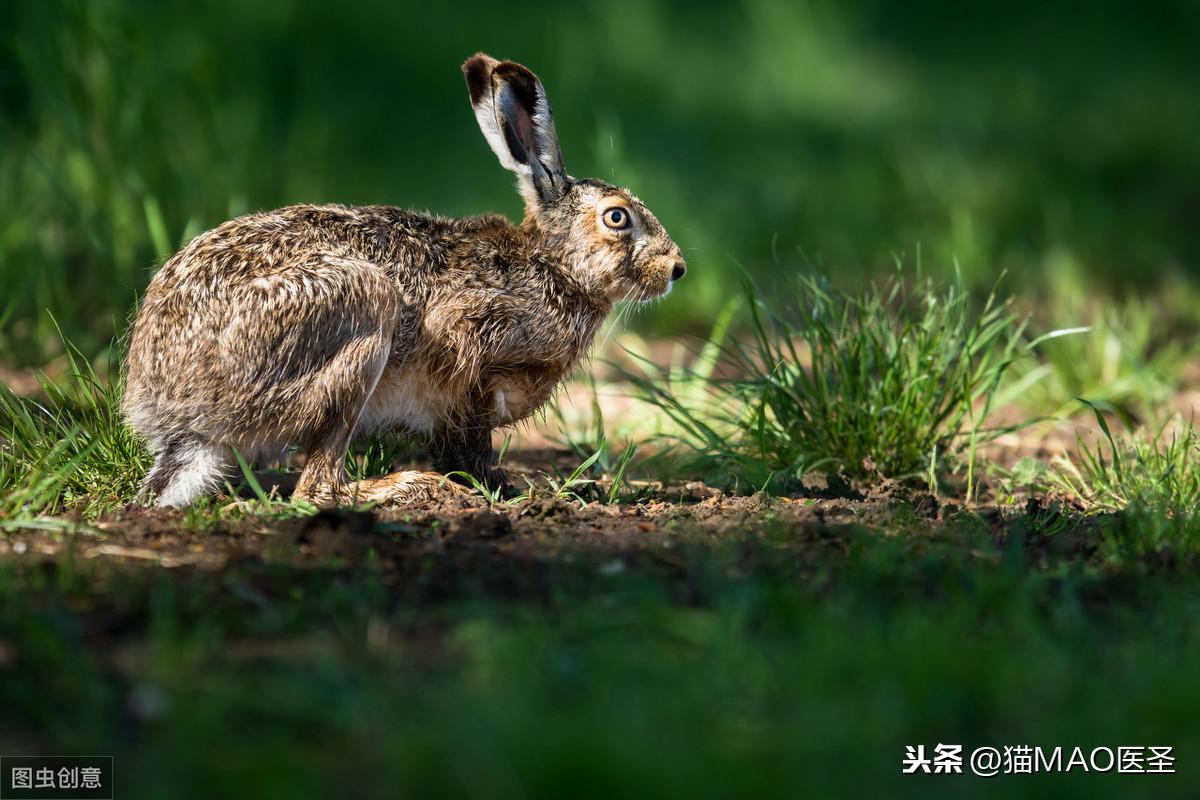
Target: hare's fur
[[311, 324]]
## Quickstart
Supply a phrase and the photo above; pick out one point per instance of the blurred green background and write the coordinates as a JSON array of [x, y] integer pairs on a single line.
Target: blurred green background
[[770, 137]]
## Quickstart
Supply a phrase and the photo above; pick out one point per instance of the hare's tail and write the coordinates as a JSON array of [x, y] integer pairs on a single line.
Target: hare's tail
[[185, 470]]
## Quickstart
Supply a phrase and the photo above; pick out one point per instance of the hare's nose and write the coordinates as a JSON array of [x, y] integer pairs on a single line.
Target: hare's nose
[[678, 269]]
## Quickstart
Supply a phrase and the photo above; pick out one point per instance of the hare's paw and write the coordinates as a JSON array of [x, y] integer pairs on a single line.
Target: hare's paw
[[399, 488]]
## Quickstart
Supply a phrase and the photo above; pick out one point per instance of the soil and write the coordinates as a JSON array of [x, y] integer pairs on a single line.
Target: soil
[[458, 528]]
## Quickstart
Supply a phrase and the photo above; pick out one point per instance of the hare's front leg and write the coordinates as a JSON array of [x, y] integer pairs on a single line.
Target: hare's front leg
[[466, 446]]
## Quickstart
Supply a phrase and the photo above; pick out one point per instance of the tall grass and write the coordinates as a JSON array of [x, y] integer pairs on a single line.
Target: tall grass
[[897, 380], [67, 449]]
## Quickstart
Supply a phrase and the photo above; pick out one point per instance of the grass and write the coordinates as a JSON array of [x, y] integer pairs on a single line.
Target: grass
[[68, 449], [770, 649], [1158, 470], [378, 455], [897, 381], [1143, 489], [575, 486], [1140, 534]]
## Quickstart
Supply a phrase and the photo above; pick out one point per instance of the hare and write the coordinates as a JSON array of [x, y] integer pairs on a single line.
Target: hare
[[311, 324]]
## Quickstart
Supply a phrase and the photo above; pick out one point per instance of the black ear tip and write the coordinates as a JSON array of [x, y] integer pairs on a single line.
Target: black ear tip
[[477, 70], [522, 80], [515, 73]]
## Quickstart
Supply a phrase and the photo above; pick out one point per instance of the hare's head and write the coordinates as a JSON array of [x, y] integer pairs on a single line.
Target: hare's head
[[605, 235]]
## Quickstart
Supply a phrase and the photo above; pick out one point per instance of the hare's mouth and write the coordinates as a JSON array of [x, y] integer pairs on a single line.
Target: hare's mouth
[[654, 290], [660, 277]]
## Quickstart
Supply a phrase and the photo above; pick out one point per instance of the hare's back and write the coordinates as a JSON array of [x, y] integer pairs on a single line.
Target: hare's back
[[272, 242]]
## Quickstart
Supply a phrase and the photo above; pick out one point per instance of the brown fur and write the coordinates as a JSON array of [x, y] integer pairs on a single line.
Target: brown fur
[[310, 324]]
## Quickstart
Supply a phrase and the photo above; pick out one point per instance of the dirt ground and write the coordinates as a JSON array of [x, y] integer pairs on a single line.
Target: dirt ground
[[463, 532]]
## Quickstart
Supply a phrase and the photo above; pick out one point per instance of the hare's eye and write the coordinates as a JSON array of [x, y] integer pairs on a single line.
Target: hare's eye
[[616, 218]]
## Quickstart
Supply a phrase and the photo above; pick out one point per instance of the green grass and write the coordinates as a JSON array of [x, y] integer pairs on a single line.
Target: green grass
[[68, 449], [1144, 489], [378, 455], [581, 485], [1157, 469], [896, 380]]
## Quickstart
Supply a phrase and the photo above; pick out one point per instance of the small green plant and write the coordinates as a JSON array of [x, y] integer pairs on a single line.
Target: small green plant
[[1145, 489], [1159, 472], [568, 488], [895, 380], [576, 486], [1136, 532], [618, 476], [492, 494], [378, 455], [263, 503], [1026, 478]]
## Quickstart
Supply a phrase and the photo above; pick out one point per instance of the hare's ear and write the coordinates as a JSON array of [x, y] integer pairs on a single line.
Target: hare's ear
[[515, 117]]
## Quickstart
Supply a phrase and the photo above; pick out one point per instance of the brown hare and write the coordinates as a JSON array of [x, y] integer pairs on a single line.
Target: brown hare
[[311, 324]]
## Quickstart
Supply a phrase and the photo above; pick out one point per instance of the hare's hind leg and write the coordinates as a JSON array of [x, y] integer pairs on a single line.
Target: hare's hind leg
[[313, 366]]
